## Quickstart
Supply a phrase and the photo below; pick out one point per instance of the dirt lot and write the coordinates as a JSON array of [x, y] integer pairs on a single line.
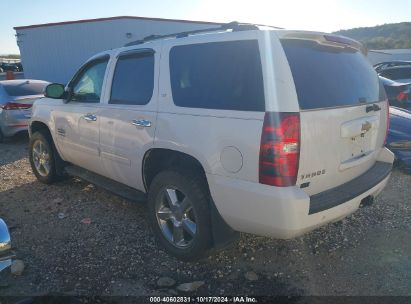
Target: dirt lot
[[368, 253]]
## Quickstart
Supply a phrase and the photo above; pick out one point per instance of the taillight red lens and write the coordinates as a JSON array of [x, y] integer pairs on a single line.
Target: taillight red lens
[[280, 149], [402, 96], [16, 106]]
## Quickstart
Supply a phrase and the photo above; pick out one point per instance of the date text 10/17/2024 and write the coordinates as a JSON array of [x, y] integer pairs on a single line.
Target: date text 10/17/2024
[[188, 299]]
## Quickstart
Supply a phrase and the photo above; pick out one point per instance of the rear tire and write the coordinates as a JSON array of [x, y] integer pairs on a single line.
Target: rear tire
[[42, 156], [179, 213]]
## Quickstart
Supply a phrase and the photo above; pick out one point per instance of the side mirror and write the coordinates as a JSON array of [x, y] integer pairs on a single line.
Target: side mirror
[[5, 245], [55, 90]]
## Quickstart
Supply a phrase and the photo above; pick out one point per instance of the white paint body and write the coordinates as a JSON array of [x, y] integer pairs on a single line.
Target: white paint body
[[226, 142]]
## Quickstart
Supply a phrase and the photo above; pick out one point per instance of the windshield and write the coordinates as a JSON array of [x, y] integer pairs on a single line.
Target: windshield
[[331, 76]]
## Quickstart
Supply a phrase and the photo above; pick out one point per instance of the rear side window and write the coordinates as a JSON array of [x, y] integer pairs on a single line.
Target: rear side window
[[24, 89], [331, 76], [133, 80], [397, 74], [218, 75]]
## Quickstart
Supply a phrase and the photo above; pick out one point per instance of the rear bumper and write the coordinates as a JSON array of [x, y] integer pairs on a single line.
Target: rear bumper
[[348, 191], [285, 212], [12, 122]]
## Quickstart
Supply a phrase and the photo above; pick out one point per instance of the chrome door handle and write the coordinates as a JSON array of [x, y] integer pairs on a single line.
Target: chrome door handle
[[90, 117], [141, 123]]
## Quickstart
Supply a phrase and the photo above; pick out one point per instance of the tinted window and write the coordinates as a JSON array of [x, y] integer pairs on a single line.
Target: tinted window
[[218, 75], [133, 81], [397, 74], [329, 76], [24, 88], [88, 83]]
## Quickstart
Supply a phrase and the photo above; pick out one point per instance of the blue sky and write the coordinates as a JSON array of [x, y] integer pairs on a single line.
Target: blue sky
[[321, 15]]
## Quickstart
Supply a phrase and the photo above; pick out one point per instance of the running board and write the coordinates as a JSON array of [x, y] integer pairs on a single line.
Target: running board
[[124, 191]]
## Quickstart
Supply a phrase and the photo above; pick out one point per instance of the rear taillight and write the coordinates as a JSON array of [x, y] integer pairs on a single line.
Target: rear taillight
[[388, 123], [402, 96], [280, 149], [16, 106]]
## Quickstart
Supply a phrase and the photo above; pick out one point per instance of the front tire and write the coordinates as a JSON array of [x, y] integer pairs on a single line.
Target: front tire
[[179, 213], [42, 157]]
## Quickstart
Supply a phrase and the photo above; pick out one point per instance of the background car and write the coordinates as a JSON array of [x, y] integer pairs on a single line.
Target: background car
[[19, 66], [388, 64], [398, 93], [9, 67], [16, 100], [399, 137], [399, 71]]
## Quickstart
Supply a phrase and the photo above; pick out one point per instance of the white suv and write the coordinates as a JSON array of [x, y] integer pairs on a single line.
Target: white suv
[[238, 129]]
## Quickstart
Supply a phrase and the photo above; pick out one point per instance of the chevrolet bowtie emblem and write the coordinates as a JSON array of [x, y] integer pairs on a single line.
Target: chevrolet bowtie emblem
[[366, 126]]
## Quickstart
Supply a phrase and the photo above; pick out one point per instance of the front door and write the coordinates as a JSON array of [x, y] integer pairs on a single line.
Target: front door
[[77, 122]]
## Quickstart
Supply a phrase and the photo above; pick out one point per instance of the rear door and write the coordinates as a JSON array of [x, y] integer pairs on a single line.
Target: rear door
[[128, 118], [343, 110]]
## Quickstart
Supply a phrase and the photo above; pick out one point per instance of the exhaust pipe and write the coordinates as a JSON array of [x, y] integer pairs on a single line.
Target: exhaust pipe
[[367, 201]]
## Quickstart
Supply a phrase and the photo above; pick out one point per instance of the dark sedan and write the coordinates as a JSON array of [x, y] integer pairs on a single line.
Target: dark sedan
[[399, 136], [398, 93]]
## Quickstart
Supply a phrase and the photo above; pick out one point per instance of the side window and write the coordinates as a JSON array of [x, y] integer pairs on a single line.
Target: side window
[[87, 85], [133, 80], [218, 75]]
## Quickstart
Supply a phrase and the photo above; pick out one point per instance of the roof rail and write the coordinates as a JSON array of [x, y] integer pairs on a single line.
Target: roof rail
[[234, 26]]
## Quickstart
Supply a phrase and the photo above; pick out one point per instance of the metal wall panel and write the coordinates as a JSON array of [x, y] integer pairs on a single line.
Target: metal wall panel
[[54, 53]]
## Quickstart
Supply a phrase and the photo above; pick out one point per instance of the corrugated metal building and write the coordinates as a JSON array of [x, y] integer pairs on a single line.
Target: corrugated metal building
[[55, 51]]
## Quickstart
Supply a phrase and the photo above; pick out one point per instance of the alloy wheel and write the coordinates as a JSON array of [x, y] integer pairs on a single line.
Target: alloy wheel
[[41, 158], [176, 217]]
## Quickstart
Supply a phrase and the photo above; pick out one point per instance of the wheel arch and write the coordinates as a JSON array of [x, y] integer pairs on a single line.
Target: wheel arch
[[158, 159], [37, 125]]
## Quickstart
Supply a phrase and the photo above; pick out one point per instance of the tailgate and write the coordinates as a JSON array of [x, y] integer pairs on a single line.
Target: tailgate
[[343, 109], [338, 145]]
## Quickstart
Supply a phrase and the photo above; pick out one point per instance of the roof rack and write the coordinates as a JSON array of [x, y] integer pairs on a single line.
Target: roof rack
[[234, 26]]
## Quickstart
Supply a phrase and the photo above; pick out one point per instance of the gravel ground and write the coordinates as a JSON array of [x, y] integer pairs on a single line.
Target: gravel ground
[[368, 253]]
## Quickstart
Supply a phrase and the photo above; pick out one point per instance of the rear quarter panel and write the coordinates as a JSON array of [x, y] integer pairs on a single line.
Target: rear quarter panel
[[225, 142]]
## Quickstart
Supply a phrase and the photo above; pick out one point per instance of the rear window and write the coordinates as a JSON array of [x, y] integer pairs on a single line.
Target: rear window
[[397, 73], [329, 76], [218, 75], [23, 89]]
